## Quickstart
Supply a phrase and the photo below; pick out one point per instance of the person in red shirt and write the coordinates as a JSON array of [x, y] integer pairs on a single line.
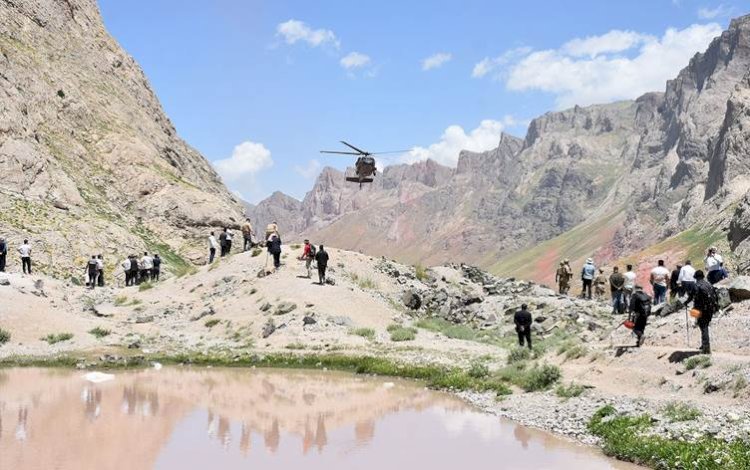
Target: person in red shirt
[[307, 256]]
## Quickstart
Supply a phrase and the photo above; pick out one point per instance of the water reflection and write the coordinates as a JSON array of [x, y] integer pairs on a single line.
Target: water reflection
[[201, 418]]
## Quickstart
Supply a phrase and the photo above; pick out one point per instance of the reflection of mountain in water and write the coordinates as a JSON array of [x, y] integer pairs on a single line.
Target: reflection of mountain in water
[[50, 418]]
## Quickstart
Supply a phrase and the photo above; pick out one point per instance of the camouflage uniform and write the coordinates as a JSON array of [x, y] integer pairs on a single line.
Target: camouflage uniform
[[563, 276]]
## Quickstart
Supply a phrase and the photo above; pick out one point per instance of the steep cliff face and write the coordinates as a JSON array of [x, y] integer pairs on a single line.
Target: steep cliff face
[[90, 161]]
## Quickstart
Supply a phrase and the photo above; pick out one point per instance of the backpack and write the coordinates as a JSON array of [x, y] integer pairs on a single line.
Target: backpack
[[313, 251], [641, 304], [711, 304]]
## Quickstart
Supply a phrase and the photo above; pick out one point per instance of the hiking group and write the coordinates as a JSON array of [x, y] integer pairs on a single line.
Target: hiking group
[[24, 250], [684, 284]]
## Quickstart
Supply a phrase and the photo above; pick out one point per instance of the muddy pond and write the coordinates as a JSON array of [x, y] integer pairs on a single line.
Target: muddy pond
[[185, 418]]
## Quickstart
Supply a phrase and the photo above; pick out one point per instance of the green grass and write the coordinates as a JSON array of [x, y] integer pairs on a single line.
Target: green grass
[[99, 332], [529, 377], [420, 272], [367, 333], [210, 323], [479, 370], [175, 263], [57, 338], [451, 330], [681, 412], [364, 282], [256, 252], [698, 362], [145, 286], [121, 300], [625, 437], [4, 336], [295, 346], [402, 333], [571, 390], [572, 350]]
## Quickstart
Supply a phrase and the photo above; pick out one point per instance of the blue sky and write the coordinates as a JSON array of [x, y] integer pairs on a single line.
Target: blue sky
[[259, 87]]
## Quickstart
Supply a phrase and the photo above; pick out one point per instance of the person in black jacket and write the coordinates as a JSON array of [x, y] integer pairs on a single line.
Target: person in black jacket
[[224, 243], [640, 308], [705, 299], [522, 319], [674, 287], [156, 270], [274, 247], [321, 258], [3, 254]]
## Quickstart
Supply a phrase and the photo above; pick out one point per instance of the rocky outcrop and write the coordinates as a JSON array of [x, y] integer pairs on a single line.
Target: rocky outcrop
[[90, 161]]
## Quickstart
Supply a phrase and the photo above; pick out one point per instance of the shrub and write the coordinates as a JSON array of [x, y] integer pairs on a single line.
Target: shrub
[[57, 338], [99, 332], [212, 322], [367, 333], [541, 378], [4, 336], [295, 246], [401, 333], [681, 412], [571, 350], [451, 330], [256, 252], [702, 361], [518, 355], [570, 391], [479, 370], [145, 286], [363, 282], [420, 272], [121, 300]]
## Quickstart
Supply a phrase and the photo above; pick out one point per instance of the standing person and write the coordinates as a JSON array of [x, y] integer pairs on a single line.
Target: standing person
[[562, 278], [247, 235], [126, 270], [156, 270], [714, 266], [587, 277], [308, 255], [100, 270], [616, 284], [522, 319], [640, 309], [706, 300], [674, 285], [321, 257], [3, 254], [223, 242], [212, 246], [686, 279], [147, 263], [25, 252], [272, 228], [230, 237], [92, 269], [135, 270], [599, 285], [660, 278], [274, 247], [629, 286]]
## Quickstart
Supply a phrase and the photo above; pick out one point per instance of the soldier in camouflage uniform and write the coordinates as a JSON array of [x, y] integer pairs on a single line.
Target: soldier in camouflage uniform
[[562, 277]]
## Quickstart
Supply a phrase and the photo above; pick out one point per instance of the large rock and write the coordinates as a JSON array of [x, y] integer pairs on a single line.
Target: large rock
[[411, 300], [738, 288]]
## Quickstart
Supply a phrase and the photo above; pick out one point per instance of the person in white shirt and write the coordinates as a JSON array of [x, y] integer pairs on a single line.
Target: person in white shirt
[[126, 269], [629, 286], [100, 270], [25, 252], [714, 266], [147, 263], [213, 244], [686, 280], [659, 282]]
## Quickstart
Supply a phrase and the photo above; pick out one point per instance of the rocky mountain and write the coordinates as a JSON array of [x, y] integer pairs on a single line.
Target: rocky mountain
[[91, 163], [608, 180]]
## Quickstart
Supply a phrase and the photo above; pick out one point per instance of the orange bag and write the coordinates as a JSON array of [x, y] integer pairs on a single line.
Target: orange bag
[[695, 313], [629, 324]]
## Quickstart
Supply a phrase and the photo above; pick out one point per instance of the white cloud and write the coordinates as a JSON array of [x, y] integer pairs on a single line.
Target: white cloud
[[355, 60], [294, 31], [310, 171], [616, 65], [490, 64], [455, 139], [240, 169], [436, 60], [711, 13]]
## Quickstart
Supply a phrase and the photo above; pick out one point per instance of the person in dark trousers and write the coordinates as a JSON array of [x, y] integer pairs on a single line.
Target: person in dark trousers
[[274, 247], [616, 284], [92, 269], [640, 309], [321, 258], [522, 319], [156, 270], [587, 278], [706, 300], [100, 271], [3, 254], [126, 270], [25, 252], [212, 245], [674, 286], [223, 242], [134, 270]]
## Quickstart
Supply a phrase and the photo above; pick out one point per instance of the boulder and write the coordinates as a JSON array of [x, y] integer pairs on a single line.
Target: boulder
[[4, 281], [724, 298], [341, 320], [204, 313], [308, 320], [268, 329], [738, 287], [284, 307], [411, 300]]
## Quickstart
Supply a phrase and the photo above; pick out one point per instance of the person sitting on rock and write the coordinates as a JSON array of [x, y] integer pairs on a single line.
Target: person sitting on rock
[[640, 310], [321, 257], [522, 319]]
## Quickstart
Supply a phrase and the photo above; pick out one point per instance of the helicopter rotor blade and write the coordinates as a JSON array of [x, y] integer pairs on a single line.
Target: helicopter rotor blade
[[392, 151], [355, 148], [339, 153]]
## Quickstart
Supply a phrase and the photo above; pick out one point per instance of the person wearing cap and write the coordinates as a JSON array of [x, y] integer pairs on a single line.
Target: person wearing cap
[[714, 266], [307, 256], [587, 277], [706, 300], [562, 277], [522, 319], [640, 309]]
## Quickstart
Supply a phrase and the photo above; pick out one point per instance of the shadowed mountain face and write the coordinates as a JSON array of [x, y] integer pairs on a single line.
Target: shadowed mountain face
[[621, 177], [91, 164]]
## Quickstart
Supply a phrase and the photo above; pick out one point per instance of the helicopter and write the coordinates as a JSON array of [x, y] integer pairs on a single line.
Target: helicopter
[[364, 168]]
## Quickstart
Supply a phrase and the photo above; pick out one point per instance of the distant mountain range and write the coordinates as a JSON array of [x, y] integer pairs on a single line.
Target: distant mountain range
[[605, 181]]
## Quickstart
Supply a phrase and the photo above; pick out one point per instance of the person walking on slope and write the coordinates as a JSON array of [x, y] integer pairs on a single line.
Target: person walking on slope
[[274, 247], [156, 270], [640, 309], [714, 266], [522, 319], [230, 237], [659, 280], [308, 255], [587, 277], [674, 285], [706, 300], [100, 270], [562, 277], [616, 284], [321, 258], [135, 270], [92, 270], [247, 235], [212, 246], [599, 285], [686, 279], [25, 251], [223, 243], [629, 286], [3, 254]]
